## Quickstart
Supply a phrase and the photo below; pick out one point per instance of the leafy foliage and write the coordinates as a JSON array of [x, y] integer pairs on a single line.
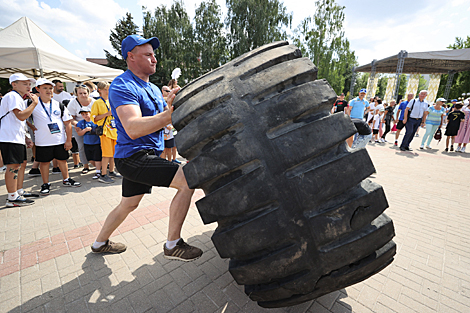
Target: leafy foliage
[[124, 28], [461, 82], [253, 23], [321, 38], [175, 32], [210, 39]]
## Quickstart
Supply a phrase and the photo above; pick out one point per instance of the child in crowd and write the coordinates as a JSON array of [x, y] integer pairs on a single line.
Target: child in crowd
[[376, 127], [170, 149], [87, 128], [453, 124]]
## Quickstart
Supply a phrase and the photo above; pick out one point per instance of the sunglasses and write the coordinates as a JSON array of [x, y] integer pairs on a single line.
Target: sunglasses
[[166, 90], [80, 85]]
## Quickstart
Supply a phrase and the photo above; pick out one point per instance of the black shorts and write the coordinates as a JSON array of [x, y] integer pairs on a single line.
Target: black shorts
[[48, 153], [400, 125], [452, 130], [93, 152], [142, 170], [13, 153], [74, 146], [170, 143], [375, 131]]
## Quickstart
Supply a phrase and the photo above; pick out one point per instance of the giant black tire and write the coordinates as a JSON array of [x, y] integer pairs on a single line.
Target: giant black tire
[[296, 213]]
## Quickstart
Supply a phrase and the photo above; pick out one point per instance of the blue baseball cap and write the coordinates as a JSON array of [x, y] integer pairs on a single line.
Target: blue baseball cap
[[131, 41], [363, 90], [454, 100]]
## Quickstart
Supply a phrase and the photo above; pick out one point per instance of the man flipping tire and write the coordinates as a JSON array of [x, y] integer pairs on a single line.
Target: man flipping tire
[[141, 114]]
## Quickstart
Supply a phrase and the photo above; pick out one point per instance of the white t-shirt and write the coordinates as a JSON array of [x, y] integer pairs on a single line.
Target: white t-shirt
[[12, 129], [74, 108], [376, 121], [61, 96], [371, 113], [379, 108], [168, 132], [43, 136]]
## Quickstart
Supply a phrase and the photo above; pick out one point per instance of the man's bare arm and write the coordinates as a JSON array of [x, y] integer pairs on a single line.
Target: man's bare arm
[[23, 115], [137, 125]]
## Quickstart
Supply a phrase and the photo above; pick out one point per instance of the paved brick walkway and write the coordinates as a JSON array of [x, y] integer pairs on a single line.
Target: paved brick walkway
[[45, 264]]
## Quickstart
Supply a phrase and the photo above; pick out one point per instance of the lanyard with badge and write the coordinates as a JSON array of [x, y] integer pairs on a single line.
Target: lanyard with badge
[[53, 127], [112, 122], [150, 96]]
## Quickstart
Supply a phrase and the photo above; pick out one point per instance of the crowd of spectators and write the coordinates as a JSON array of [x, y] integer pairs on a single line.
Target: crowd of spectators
[[56, 124], [412, 114]]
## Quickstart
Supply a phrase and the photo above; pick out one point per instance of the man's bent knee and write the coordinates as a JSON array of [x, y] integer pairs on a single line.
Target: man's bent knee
[[179, 181]]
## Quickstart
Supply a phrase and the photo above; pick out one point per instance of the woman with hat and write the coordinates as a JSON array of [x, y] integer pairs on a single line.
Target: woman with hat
[[433, 118]]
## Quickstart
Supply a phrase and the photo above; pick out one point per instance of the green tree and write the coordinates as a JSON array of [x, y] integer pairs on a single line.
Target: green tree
[[403, 84], [253, 23], [177, 41], [461, 82], [210, 39], [124, 27], [381, 86], [361, 82], [321, 38], [423, 83]]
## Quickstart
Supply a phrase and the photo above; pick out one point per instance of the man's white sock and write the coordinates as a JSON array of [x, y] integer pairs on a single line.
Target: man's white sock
[[170, 244], [13, 195], [98, 244], [20, 191]]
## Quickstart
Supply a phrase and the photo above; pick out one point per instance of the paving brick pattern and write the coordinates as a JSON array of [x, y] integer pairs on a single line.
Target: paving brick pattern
[[46, 264]]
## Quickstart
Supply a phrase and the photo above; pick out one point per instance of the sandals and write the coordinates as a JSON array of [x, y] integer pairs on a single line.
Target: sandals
[[85, 170]]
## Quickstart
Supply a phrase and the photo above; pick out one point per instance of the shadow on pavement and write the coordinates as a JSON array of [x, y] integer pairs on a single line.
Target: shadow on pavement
[[163, 286]]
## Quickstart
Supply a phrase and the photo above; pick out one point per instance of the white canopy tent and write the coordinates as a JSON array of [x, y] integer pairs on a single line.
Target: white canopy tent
[[27, 49]]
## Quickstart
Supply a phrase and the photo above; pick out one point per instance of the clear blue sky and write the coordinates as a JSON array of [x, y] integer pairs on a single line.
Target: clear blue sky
[[376, 29]]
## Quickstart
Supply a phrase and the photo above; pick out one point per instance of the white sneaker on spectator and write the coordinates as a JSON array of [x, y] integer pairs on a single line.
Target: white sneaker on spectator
[[3, 168], [458, 149], [428, 147], [462, 150], [97, 175]]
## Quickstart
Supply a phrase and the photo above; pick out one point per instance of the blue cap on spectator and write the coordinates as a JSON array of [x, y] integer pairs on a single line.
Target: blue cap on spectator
[[131, 41], [363, 90], [454, 100]]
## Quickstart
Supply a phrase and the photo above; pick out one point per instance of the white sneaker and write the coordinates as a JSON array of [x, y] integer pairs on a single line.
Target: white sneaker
[[384, 140], [3, 168], [421, 147], [463, 150], [428, 147], [458, 149]]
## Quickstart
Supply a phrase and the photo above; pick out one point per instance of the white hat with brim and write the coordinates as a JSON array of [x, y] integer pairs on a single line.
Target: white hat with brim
[[441, 99], [20, 77], [44, 81]]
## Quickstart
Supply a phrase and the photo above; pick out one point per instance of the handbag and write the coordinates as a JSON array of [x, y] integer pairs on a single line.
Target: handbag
[[99, 129], [438, 135]]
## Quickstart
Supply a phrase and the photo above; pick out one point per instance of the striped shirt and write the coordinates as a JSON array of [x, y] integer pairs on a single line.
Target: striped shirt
[[434, 116]]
